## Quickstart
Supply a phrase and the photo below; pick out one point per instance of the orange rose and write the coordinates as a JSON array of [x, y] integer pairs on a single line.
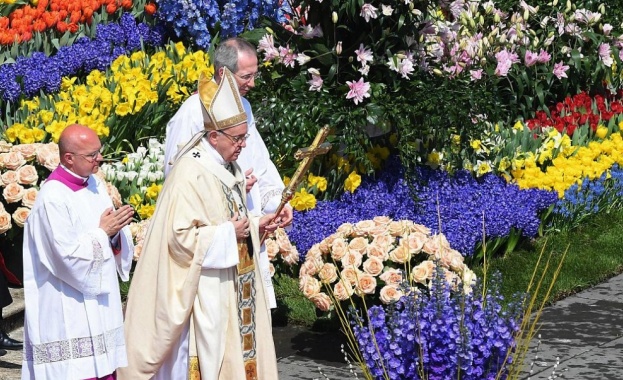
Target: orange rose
[[373, 266], [322, 301], [5, 222], [27, 175], [20, 215], [150, 8], [30, 195], [390, 294], [13, 192]]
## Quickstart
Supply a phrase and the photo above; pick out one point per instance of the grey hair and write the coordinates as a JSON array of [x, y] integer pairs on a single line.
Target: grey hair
[[226, 54]]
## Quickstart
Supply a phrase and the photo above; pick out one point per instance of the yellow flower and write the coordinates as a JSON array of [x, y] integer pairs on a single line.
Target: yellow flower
[[601, 132], [123, 109], [434, 159], [504, 164], [67, 83], [153, 191], [39, 134], [146, 211], [482, 168], [456, 140], [319, 182], [135, 200], [352, 182], [476, 145], [286, 180], [302, 200], [518, 126]]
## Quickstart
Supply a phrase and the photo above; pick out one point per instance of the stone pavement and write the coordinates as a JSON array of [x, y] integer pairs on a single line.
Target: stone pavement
[[583, 333]]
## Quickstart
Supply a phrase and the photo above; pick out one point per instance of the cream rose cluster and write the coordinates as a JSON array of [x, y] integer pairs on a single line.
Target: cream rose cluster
[[379, 259], [280, 249]]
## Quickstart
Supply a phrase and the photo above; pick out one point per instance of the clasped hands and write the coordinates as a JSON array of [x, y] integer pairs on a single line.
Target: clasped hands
[[112, 221], [242, 225]]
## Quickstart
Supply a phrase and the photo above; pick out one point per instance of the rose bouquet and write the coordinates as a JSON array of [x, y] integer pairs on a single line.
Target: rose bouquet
[[281, 253], [379, 260]]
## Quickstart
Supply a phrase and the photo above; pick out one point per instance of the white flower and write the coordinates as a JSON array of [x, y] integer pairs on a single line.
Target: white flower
[[387, 10], [364, 55], [302, 58], [368, 11], [315, 84], [364, 70], [131, 175]]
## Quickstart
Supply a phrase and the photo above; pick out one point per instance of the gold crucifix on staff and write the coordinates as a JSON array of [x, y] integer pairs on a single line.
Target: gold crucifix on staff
[[306, 155]]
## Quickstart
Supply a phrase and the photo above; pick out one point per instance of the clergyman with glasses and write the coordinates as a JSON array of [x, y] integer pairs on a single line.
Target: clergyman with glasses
[[264, 185], [75, 245], [197, 307]]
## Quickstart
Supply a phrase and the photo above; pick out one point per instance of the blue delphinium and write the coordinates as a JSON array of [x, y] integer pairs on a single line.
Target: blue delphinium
[[454, 205], [440, 334], [30, 75]]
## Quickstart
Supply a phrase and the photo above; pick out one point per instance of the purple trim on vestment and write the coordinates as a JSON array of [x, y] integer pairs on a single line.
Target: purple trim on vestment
[[112, 376], [71, 181]]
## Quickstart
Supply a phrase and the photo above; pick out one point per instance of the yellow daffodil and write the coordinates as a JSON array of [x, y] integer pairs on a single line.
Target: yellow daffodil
[[319, 182], [153, 191], [303, 201], [352, 182]]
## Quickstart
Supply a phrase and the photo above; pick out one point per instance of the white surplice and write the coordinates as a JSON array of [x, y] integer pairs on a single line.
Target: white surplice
[[264, 197], [73, 319]]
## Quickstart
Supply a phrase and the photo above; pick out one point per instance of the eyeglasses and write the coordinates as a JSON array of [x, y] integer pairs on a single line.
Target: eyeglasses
[[248, 77], [237, 140], [91, 156]]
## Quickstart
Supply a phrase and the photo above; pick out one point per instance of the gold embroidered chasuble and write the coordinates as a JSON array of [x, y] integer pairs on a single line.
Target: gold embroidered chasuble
[[170, 289]]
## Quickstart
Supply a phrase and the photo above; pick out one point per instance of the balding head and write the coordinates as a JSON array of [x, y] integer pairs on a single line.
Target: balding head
[[76, 146]]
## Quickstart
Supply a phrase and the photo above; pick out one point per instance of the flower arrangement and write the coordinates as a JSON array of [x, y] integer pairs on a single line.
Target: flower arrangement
[[138, 231], [440, 334], [281, 253], [29, 75], [23, 168], [372, 258], [139, 177], [136, 87]]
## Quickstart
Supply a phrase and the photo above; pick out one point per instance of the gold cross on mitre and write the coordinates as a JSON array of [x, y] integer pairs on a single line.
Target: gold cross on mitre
[[306, 155]]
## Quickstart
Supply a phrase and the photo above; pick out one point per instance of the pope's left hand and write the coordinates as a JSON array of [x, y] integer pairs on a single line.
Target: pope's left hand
[[250, 179], [285, 216], [267, 224]]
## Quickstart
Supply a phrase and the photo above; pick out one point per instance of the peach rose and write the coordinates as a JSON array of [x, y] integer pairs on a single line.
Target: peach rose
[[272, 248], [343, 290], [455, 260], [48, 155], [30, 195], [322, 301], [381, 253], [328, 273], [396, 228], [291, 257], [5, 146], [379, 230], [345, 229], [384, 240], [10, 176], [435, 245], [373, 266], [416, 241], [350, 274], [27, 175], [13, 160], [420, 229], [451, 278], [2, 207], [390, 294], [423, 272], [271, 269], [309, 286], [29, 151], [392, 276], [382, 220], [311, 266], [5, 222], [138, 248], [352, 259], [338, 249], [13, 192], [400, 254], [114, 195], [469, 280], [366, 284], [359, 245], [282, 239], [20, 215], [324, 246], [314, 251], [364, 227]]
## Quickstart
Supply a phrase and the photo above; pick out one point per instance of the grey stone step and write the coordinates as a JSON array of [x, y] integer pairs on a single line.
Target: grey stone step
[[13, 315]]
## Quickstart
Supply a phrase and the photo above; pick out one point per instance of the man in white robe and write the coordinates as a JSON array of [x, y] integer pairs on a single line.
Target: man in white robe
[[263, 196], [75, 243], [197, 307]]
